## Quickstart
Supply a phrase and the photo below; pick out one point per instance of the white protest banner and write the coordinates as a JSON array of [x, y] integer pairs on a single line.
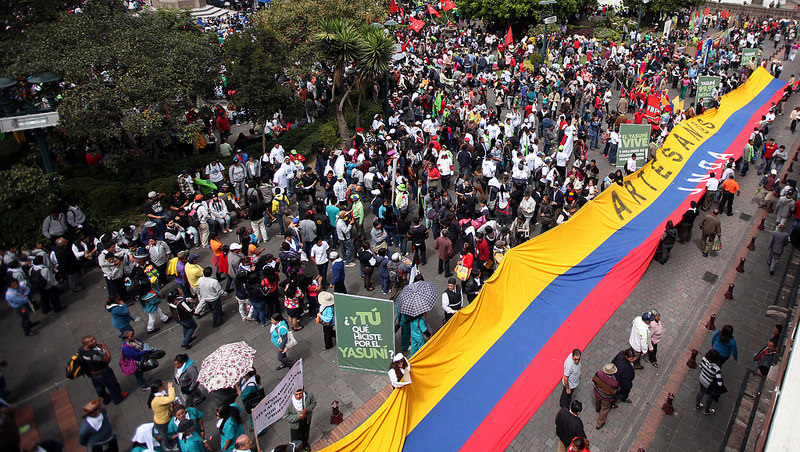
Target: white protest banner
[[271, 408]]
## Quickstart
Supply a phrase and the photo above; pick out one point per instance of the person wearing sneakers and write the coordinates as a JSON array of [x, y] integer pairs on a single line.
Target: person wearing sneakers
[[95, 358], [710, 382]]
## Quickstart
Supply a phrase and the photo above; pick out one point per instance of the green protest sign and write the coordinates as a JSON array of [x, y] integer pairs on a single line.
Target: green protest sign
[[749, 55], [633, 139], [705, 88], [364, 333]]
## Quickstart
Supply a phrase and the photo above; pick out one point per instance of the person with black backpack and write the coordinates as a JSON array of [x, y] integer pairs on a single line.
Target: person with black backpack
[[250, 390], [43, 279]]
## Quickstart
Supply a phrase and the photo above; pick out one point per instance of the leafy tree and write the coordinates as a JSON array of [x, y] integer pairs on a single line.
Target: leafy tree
[[26, 194], [128, 79], [295, 23], [16, 15], [368, 49], [654, 8], [255, 60], [508, 11]]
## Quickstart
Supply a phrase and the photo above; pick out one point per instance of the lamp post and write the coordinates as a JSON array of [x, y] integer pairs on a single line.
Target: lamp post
[[639, 23], [549, 3]]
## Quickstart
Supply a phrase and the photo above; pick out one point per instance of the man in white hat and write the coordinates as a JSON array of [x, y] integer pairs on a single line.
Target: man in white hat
[[606, 387], [326, 316], [96, 431]]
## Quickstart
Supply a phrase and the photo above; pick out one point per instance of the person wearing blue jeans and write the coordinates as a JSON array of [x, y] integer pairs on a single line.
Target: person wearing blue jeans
[[133, 349], [183, 312], [94, 358]]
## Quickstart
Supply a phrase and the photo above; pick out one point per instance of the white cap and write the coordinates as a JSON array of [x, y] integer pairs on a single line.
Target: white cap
[[152, 194], [235, 246]]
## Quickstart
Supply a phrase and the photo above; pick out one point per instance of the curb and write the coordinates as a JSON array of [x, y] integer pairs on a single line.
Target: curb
[[679, 373]]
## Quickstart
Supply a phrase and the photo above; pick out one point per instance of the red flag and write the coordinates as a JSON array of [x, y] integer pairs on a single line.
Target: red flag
[[415, 24], [724, 14], [393, 8], [447, 5], [509, 37], [433, 11], [706, 11]]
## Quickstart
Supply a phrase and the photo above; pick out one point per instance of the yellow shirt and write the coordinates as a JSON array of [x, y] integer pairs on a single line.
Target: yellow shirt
[[162, 407], [193, 273]]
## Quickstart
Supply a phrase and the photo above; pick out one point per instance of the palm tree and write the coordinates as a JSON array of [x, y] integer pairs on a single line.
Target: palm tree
[[373, 62], [368, 49]]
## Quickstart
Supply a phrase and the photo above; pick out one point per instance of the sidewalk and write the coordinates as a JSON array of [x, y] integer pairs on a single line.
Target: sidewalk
[[681, 290]]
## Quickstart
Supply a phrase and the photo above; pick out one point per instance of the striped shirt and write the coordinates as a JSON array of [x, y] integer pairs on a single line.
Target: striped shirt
[[709, 372]]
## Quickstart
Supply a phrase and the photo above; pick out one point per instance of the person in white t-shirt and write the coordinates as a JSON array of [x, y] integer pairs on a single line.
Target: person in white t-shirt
[[571, 378], [319, 254], [711, 191], [630, 165]]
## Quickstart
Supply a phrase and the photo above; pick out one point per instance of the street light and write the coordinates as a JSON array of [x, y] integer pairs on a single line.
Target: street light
[[546, 21], [639, 24]]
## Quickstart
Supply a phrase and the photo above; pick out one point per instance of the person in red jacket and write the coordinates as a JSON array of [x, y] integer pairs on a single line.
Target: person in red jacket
[[766, 161]]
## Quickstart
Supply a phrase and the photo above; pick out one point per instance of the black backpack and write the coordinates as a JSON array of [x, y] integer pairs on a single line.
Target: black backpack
[[36, 280]]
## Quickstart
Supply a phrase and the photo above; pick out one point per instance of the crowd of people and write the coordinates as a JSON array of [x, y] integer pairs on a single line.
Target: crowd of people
[[478, 153]]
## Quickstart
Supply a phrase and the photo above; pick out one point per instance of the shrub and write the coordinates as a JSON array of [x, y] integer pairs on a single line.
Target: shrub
[[166, 185], [26, 194]]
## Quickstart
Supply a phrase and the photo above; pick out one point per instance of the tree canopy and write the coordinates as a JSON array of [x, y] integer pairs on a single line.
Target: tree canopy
[[507, 11], [296, 22], [255, 60], [128, 78], [655, 7]]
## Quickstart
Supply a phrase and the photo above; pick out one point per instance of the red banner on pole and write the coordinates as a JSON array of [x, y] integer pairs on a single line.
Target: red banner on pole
[[432, 11], [509, 37], [653, 108], [415, 24], [447, 5], [393, 8]]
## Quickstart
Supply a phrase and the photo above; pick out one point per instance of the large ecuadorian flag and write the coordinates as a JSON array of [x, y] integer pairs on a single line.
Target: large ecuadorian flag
[[486, 372]]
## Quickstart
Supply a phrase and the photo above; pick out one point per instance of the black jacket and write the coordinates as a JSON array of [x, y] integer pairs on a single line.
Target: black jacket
[[568, 426]]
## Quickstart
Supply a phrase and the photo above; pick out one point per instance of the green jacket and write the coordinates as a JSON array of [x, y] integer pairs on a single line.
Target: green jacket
[[293, 417]]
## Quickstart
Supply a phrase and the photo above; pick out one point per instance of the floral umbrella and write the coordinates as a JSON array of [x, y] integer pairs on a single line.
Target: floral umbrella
[[224, 367]]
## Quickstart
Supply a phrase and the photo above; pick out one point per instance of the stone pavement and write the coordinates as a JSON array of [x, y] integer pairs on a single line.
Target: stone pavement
[[38, 388], [681, 290]]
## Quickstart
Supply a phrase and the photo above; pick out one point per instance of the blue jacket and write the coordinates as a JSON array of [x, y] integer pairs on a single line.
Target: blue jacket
[[725, 349], [120, 316], [150, 301], [383, 266], [17, 298], [338, 271]]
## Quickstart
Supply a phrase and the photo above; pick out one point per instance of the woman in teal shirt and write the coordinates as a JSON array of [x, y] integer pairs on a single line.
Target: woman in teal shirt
[[418, 328], [190, 440], [229, 422]]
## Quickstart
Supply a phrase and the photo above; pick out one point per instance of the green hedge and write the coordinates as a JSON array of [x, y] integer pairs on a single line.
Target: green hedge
[[113, 194]]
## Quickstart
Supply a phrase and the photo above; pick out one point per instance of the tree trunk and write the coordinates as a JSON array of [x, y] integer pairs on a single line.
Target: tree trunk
[[343, 132], [358, 109], [263, 137], [128, 138]]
